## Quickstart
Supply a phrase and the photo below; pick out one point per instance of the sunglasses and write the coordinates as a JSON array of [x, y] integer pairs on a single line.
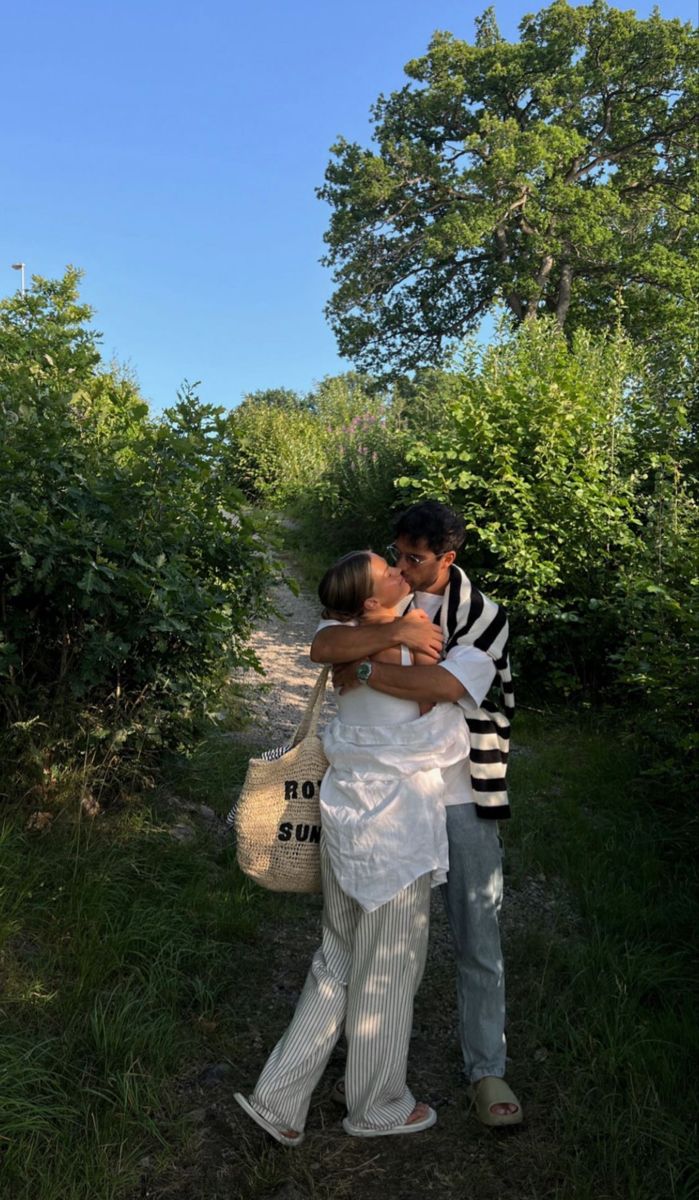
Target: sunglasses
[[394, 555]]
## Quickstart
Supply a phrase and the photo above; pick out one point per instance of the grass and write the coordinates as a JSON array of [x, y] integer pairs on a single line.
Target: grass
[[610, 1001], [311, 556], [115, 956], [125, 960]]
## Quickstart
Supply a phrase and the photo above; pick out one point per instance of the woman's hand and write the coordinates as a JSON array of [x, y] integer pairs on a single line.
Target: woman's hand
[[419, 634]]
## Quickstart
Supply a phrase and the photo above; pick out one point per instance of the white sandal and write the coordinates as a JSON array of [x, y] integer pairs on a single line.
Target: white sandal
[[278, 1134], [414, 1127]]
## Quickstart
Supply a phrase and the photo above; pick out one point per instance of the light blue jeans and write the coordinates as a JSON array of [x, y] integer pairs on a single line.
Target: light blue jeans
[[473, 896]]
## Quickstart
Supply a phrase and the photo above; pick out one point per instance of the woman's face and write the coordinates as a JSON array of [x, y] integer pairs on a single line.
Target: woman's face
[[389, 586]]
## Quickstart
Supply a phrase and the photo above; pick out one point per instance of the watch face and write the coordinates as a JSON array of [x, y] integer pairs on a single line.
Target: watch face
[[363, 672]]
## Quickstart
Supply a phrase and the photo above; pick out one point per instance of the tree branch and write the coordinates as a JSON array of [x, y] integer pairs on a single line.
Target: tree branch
[[630, 148], [572, 172]]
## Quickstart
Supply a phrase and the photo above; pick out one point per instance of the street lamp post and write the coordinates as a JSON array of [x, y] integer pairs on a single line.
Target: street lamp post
[[19, 267]]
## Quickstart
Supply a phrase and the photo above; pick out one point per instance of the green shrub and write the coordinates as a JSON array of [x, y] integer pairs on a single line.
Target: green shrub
[[275, 447], [532, 447], [567, 466], [129, 574], [364, 436]]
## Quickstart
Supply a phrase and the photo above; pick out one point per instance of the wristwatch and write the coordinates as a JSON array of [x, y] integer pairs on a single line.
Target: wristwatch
[[363, 671]]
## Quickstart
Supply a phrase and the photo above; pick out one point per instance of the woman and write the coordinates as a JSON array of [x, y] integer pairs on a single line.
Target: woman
[[383, 844]]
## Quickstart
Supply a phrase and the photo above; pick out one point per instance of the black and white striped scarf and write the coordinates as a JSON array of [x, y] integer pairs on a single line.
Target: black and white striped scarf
[[468, 617]]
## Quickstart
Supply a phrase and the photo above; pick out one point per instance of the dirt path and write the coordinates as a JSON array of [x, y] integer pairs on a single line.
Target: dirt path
[[229, 1157]]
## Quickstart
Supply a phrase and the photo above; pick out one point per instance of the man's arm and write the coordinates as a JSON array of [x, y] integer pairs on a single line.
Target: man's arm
[[427, 684], [350, 643]]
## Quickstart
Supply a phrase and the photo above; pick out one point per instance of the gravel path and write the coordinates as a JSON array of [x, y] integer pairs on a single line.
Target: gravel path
[[276, 701]]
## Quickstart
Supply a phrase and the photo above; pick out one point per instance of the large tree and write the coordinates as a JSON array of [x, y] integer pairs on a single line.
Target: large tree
[[551, 174]]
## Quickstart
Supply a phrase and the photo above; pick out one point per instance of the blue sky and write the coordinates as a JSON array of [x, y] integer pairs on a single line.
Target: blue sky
[[172, 152]]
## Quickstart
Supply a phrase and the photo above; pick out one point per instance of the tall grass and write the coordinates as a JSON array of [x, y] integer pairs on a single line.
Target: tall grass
[[608, 1002], [116, 942]]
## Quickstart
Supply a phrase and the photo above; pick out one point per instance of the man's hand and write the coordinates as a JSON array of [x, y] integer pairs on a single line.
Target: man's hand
[[345, 675], [418, 633]]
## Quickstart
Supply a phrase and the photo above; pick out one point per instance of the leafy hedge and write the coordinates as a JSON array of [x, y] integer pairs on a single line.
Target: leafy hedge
[[129, 573], [568, 469]]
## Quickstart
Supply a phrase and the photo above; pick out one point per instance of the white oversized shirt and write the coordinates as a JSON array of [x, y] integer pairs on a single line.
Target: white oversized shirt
[[382, 797]]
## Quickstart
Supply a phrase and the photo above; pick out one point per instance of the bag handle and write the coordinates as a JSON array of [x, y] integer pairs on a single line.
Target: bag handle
[[311, 717]]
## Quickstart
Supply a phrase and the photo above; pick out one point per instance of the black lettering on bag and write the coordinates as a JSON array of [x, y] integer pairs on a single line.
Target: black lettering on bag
[[291, 789], [284, 834], [308, 789], [308, 833]]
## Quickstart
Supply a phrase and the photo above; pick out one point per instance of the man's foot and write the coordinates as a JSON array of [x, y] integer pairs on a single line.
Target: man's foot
[[495, 1102]]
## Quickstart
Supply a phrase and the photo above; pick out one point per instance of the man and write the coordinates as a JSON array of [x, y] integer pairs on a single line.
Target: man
[[427, 538]]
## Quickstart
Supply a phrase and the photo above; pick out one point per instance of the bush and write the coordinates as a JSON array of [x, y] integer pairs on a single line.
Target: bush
[[567, 466], [276, 447], [129, 574]]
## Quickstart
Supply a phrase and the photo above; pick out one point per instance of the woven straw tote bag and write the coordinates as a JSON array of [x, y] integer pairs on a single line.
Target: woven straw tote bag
[[277, 818]]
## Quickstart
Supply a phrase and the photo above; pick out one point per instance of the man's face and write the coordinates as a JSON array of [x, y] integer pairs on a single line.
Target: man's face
[[421, 568]]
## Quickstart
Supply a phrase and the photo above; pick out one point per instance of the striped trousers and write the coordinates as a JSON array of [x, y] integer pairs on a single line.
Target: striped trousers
[[363, 978]]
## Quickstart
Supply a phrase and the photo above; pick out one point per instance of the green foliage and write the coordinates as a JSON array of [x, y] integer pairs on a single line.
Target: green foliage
[[274, 444], [364, 438], [570, 478], [129, 573], [532, 448], [571, 464], [290, 451], [356, 493], [545, 175], [657, 661]]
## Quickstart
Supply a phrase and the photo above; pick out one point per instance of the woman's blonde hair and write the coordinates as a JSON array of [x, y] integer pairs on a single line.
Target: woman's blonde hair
[[346, 585]]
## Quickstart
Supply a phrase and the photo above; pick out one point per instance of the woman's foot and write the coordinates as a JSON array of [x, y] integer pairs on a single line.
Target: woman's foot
[[419, 1113], [422, 1117], [287, 1137]]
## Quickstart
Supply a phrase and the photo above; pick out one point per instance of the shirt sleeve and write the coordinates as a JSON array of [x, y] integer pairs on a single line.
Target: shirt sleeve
[[474, 669], [326, 624]]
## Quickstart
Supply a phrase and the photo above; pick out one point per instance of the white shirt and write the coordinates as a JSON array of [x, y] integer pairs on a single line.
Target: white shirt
[[382, 798], [475, 670]]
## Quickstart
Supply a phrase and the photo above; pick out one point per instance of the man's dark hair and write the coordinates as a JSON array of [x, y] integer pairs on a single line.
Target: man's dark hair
[[441, 527]]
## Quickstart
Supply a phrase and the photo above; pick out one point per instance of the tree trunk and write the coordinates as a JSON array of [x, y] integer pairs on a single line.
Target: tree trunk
[[564, 293], [511, 298], [541, 278]]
